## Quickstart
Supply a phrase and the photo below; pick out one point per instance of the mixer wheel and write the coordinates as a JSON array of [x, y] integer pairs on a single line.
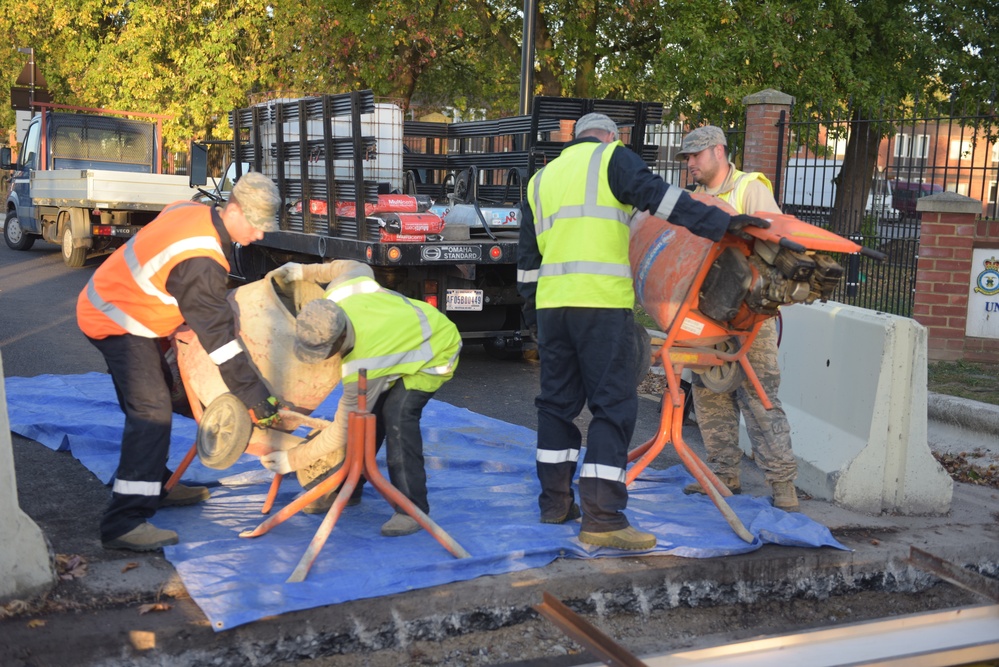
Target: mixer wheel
[[223, 432], [726, 377]]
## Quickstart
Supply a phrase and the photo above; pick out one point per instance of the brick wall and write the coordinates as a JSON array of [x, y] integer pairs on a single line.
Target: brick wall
[[948, 235], [763, 128]]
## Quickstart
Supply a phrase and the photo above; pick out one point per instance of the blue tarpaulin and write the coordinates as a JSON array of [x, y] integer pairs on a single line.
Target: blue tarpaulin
[[483, 492]]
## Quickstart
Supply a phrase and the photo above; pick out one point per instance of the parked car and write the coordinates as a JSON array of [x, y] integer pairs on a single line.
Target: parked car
[[906, 194]]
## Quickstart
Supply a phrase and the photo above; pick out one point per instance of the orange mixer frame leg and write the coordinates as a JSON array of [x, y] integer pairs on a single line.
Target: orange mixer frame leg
[[671, 430]]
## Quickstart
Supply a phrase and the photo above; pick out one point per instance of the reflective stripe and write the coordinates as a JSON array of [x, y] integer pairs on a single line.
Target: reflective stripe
[[557, 455], [362, 286], [129, 488], [226, 352], [668, 203], [599, 471], [538, 213], [598, 268], [181, 204], [527, 276], [143, 273], [117, 315]]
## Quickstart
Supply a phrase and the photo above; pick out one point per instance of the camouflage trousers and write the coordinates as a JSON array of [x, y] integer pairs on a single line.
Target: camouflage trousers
[[769, 432]]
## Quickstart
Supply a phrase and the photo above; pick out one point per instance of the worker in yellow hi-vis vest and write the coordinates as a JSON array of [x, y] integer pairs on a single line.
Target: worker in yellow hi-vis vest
[[574, 273]]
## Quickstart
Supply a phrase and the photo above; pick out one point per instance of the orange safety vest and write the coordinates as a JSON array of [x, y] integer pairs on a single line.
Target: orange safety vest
[[127, 293]]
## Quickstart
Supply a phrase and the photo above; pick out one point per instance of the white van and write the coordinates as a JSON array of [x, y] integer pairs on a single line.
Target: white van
[[809, 185]]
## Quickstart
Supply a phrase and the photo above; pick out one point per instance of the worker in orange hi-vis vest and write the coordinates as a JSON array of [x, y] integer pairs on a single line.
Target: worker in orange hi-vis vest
[[173, 271]]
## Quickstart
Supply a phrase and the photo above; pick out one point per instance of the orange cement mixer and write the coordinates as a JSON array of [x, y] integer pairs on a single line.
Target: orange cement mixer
[[711, 298], [265, 313]]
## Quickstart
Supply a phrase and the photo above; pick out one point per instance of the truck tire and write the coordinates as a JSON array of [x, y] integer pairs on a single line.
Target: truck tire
[[73, 257], [14, 234]]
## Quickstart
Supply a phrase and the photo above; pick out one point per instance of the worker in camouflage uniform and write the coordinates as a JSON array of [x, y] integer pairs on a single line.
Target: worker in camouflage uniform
[[704, 150]]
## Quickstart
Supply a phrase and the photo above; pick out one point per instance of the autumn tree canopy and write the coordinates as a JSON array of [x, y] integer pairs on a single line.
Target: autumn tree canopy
[[197, 59]]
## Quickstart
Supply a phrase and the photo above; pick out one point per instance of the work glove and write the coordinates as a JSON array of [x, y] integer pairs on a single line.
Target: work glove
[[277, 462], [265, 413], [738, 222], [289, 273]]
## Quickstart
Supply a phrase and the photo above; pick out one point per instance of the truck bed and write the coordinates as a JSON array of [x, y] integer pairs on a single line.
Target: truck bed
[[105, 189]]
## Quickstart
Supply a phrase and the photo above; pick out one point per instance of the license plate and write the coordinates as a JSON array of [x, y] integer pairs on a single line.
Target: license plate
[[463, 299]]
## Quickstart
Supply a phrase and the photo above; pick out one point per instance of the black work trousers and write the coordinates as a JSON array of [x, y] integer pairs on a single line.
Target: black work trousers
[[397, 413], [137, 368], [587, 358]]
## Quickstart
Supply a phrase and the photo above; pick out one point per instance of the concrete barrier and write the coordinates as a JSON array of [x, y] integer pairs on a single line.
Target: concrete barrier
[[853, 384], [26, 566]]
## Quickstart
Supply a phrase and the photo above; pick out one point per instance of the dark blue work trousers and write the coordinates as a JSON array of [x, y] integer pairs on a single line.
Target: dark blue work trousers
[[139, 373], [397, 413], [587, 358]]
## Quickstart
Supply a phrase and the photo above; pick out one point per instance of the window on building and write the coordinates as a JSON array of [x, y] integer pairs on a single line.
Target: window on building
[[995, 153], [993, 187], [960, 149], [959, 188], [912, 145]]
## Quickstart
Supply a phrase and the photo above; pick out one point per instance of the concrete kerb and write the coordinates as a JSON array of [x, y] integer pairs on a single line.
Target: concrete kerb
[[981, 418], [962, 426]]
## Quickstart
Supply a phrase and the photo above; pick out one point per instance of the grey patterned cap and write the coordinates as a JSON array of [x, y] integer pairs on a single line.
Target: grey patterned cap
[[259, 200], [700, 138], [318, 328], [595, 121]]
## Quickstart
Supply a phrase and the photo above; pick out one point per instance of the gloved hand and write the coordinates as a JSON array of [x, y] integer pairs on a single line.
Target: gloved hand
[[277, 462], [290, 272], [739, 222], [265, 413]]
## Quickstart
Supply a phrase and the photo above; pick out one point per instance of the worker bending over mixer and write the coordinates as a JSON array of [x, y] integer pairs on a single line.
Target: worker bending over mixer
[[173, 270], [408, 348]]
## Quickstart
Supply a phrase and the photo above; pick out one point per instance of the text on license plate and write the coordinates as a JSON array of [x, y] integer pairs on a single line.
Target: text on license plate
[[463, 299]]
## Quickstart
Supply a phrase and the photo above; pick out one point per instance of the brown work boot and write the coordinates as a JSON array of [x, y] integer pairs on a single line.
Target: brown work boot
[[400, 524], [144, 537], [628, 539], [185, 495], [731, 481], [785, 496], [571, 515]]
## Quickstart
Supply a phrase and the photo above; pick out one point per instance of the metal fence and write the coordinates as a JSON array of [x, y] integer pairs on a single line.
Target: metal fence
[[928, 151]]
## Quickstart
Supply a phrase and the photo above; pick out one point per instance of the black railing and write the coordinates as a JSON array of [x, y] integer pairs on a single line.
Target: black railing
[[929, 151]]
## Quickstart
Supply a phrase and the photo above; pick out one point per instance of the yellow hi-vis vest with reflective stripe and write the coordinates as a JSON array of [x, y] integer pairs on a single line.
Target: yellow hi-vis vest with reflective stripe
[[395, 336], [742, 180], [582, 231]]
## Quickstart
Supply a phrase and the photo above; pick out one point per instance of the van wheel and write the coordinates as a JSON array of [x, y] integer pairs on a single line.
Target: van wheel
[[14, 234], [73, 257]]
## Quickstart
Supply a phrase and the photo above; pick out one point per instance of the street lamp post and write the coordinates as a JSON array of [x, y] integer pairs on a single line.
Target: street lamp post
[[527, 58]]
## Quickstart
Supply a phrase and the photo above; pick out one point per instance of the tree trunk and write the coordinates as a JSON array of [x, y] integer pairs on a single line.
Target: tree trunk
[[854, 181]]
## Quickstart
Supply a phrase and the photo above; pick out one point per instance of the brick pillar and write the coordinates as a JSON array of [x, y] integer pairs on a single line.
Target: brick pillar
[[949, 233], [763, 111]]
